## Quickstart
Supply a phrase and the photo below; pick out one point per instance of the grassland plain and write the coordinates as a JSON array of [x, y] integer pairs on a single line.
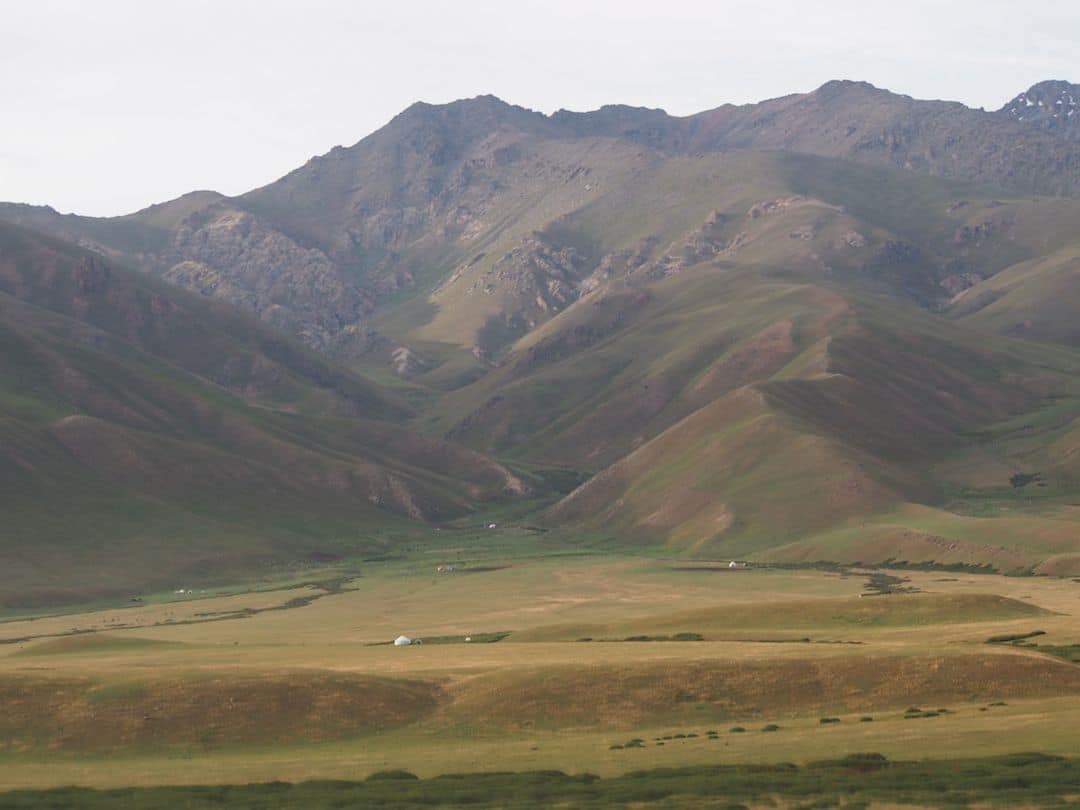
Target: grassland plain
[[268, 683], [673, 354]]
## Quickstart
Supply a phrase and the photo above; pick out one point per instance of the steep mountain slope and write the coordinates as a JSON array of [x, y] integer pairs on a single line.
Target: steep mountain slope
[[443, 187], [856, 121], [1051, 106], [123, 466], [744, 371], [839, 432], [731, 409], [1035, 299], [783, 241], [112, 309], [785, 330]]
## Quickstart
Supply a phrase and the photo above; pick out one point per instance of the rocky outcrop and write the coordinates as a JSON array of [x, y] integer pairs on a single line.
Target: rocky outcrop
[[535, 280], [701, 244], [408, 363], [231, 255], [619, 263], [854, 239], [957, 283], [892, 253], [317, 251], [769, 207], [1052, 106], [91, 276], [977, 233]]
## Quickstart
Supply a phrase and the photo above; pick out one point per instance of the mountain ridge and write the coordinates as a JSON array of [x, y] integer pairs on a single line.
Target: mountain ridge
[[847, 293]]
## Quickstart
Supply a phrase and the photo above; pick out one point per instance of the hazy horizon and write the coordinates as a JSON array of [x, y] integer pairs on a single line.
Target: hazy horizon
[[128, 105]]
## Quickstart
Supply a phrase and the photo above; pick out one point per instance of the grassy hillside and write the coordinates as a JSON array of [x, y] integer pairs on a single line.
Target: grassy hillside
[[761, 331], [1033, 300], [889, 409], [126, 465], [770, 375], [114, 309]]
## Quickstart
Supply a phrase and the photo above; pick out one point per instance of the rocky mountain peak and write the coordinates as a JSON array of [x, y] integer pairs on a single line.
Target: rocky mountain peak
[[1052, 105], [642, 124], [841, 87], [468, 115]]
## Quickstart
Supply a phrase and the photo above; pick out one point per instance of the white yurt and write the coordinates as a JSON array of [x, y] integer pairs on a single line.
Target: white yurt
[[402, 641]]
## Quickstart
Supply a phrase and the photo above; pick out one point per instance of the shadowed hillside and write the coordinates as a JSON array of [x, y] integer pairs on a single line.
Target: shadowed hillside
[[123, 457]]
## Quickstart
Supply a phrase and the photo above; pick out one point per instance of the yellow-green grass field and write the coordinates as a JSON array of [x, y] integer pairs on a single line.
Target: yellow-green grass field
[[299, 681]]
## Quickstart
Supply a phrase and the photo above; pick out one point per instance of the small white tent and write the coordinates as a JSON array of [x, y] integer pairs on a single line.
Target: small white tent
[[402, 641]]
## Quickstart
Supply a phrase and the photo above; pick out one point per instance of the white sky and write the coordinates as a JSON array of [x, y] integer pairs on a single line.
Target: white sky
[[109, 105]]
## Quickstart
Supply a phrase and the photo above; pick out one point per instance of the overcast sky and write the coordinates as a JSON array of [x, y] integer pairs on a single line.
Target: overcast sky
[[110, 105]]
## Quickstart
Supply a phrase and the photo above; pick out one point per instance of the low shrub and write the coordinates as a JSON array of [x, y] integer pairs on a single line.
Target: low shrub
[[688, 637], [857, 780], [1012, 637]]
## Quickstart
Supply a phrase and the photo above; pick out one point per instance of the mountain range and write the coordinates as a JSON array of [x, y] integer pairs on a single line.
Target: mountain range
[[831, 326]]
